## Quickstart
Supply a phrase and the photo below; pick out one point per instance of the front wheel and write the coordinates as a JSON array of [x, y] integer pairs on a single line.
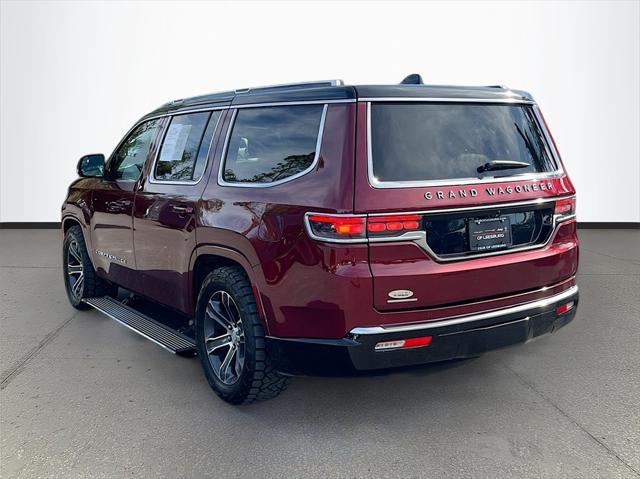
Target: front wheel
[[230, 340], [80, 279]]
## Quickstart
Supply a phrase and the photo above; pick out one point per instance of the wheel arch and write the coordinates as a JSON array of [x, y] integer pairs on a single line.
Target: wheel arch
[[69, 221], [209, 257]]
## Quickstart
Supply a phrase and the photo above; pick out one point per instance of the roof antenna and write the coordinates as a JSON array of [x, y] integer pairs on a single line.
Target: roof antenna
[[413, 79]]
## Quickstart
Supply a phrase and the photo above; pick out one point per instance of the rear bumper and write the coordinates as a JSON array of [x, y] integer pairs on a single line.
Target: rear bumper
[[456, 337]]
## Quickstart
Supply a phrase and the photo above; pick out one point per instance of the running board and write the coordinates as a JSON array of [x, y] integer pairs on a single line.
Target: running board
[[170, 339]]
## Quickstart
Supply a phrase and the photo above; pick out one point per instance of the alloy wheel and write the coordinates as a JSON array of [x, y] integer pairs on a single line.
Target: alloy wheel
[[75, 270], [224, 337]]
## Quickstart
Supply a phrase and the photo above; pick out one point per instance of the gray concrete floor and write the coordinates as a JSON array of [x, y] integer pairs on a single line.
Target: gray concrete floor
[[84, 397]]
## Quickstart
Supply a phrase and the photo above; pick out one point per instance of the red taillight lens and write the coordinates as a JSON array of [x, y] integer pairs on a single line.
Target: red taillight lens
[[394, 224], [565, 207], [376, 227], [340, 227], [353, 228], [403, 343], [415, 342], [411, 225], [565, 308]]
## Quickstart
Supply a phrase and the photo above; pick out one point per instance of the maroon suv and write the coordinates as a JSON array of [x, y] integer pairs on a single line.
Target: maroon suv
[[319, 228]]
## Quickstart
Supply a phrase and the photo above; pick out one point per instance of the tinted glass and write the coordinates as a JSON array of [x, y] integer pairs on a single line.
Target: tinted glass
[[431, 141], [272, 143], [185, 147], [129, 159], [203, 152]]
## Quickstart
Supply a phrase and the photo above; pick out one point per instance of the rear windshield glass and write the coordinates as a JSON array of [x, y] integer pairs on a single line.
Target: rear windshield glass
[[440, 141]]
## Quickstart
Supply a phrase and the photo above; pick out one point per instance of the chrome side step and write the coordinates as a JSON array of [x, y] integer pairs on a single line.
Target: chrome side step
[[170, 339]]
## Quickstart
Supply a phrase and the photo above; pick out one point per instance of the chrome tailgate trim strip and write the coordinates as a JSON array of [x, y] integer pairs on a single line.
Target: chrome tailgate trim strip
[[452, 321]]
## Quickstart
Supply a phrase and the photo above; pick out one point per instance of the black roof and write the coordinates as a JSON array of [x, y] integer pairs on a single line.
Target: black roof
[[497, 92], [335, 90]]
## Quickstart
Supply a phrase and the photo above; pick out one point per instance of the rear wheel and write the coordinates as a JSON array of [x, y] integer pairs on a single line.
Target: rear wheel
[[231, 340], [80, 279]]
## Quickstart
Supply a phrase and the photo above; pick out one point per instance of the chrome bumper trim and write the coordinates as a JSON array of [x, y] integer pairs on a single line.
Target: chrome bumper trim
[[452, 321]]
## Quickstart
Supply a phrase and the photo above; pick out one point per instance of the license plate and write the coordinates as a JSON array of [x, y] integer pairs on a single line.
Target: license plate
[[488, 234]]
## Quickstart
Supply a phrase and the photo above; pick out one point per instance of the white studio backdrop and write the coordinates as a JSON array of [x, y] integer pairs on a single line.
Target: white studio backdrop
[[76, 75]]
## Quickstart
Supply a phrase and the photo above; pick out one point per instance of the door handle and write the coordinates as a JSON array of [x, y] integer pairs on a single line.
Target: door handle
[[117, 206], [182, 209]]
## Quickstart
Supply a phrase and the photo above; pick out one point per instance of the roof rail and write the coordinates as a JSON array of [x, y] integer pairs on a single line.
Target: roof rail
[[289, 86]]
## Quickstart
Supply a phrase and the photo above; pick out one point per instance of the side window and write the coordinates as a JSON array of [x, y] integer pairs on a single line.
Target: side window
[[184, 151], [269, 144], [128, 160]]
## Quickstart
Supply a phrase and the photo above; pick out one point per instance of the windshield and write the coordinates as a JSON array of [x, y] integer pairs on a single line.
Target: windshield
[[440, 141]]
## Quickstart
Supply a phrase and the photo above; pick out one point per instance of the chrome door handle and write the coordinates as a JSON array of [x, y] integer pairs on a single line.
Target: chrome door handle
[[182, 209]]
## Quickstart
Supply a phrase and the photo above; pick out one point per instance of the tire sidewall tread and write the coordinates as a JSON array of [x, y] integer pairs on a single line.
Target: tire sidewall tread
[[258, 380], [94, 286]]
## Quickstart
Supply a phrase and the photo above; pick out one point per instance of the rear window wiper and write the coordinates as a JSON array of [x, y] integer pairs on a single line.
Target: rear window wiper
[[501, 165]]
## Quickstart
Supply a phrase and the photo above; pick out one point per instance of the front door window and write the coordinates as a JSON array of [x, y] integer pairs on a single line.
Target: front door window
[[128, 160]]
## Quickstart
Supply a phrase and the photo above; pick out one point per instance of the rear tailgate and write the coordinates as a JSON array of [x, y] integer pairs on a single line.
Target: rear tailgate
[[410, 274], [478, 238]]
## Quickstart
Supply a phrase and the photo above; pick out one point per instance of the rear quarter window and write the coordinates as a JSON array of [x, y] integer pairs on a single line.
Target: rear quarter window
[[272, 144], [441, 141]]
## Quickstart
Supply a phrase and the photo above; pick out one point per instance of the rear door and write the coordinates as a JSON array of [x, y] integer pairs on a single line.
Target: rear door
[[460, 224], [165, 206], [112, 205]]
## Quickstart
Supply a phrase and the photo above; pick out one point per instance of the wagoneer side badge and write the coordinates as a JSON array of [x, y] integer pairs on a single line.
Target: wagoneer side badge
[[111, 257]]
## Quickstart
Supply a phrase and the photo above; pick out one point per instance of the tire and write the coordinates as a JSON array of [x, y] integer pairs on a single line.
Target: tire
[[244, 375], [80, 279]]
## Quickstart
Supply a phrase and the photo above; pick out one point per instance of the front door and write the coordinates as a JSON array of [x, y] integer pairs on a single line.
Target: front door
[[165, 207], [112, 205]]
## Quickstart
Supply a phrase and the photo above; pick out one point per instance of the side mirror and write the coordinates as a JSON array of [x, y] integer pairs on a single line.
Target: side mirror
[[91, 166]]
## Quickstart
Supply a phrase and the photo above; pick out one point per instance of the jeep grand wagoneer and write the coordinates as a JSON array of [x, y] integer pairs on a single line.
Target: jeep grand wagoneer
[[319, 228]]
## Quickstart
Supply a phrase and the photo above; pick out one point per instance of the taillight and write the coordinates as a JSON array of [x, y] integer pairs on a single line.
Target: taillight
[[403, 343], [338, 227], [565, 207], [565, 308], [393, 225], [355, 228]]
